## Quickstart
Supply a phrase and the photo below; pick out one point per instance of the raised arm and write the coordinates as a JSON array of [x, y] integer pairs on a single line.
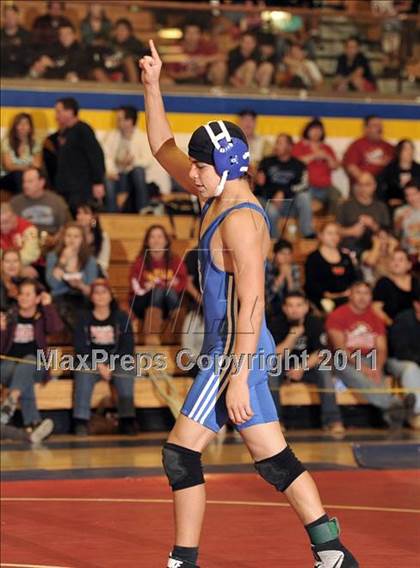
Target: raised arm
[[159, 133]]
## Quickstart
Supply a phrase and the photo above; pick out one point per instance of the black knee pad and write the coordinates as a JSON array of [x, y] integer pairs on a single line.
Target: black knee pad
[[280, 470], [182, 466]]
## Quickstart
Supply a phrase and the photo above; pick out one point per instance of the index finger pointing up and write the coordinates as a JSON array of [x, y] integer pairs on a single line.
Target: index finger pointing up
[[153, 50]]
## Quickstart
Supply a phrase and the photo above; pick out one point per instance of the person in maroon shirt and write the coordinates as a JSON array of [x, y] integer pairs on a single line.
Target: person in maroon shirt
[[157, 279], [371, 153], [321, 161], [358, 336], [199, 60]]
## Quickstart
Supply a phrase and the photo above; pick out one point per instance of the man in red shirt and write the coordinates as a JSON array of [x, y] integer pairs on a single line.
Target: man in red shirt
[[198, 60], [371, 153], [358, 339], [18, 233]]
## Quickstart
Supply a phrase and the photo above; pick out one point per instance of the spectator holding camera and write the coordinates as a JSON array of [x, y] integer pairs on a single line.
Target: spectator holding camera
[[70, 271], [299, 334], [105, 329], [24, 331]]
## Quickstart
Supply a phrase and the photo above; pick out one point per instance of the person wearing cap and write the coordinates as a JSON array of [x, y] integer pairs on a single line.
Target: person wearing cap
[[234, 244], [104, 328]]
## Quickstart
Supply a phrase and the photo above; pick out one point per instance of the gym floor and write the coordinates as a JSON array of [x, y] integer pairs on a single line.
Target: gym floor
[[102, 502]]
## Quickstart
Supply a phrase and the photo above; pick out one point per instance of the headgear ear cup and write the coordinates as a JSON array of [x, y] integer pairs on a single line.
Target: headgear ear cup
[[230, 155]]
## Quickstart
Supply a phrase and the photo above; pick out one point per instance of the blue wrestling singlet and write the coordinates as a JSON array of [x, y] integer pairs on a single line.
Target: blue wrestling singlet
[[205, 402]]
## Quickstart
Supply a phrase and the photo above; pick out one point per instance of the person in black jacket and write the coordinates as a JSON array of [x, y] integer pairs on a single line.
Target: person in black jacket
[[404, 361], [299, 337], [329, 272], [15, 45], [73, 157], [104, 328], [353, 70], [282, 185], [64, 60], [394, 178]]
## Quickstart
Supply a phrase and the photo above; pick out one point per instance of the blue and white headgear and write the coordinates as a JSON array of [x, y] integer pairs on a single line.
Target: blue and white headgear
[[223, 145]]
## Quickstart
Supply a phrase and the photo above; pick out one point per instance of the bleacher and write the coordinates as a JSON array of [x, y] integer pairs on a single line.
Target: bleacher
[[126, 233]]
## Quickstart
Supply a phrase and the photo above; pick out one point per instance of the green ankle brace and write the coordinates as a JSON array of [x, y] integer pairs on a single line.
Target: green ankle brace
[[325, 532]]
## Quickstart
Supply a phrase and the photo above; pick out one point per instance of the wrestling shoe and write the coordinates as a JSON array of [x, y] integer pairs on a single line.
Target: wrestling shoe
[[333, 555], [175, 563], [327, 548]]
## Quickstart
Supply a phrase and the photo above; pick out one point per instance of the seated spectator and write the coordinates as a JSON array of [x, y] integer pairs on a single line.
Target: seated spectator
[[15, 43], [73, 157], [321, 161], [298, 333], [11, 274], [103, 327], [18, 233], [397, 174], [64, 60], [371, 153], [19, 151], [297, 71], [282, 276], [353, 71], [248, 123], [157, 279], [282, 183], [117, 61], [407, 221], [96, 238], [95, 25], [356, 331], [329, 272], [42, 207], [24, 330], [198, 61], [45, 28], [245, 68], [70, 271], [404, 361], [374, 262], [394, 293], [126, 162], [362, 216]]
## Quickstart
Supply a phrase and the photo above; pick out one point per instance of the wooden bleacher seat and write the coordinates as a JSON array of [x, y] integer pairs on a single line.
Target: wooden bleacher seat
[[131, 226], [58, 395]]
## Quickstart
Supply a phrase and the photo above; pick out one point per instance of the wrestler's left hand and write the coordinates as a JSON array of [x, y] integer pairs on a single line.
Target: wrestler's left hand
[[237, 400]]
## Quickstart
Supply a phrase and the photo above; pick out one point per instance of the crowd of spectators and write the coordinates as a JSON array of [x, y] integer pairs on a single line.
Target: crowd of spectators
[[240, 54], [361, 287]]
